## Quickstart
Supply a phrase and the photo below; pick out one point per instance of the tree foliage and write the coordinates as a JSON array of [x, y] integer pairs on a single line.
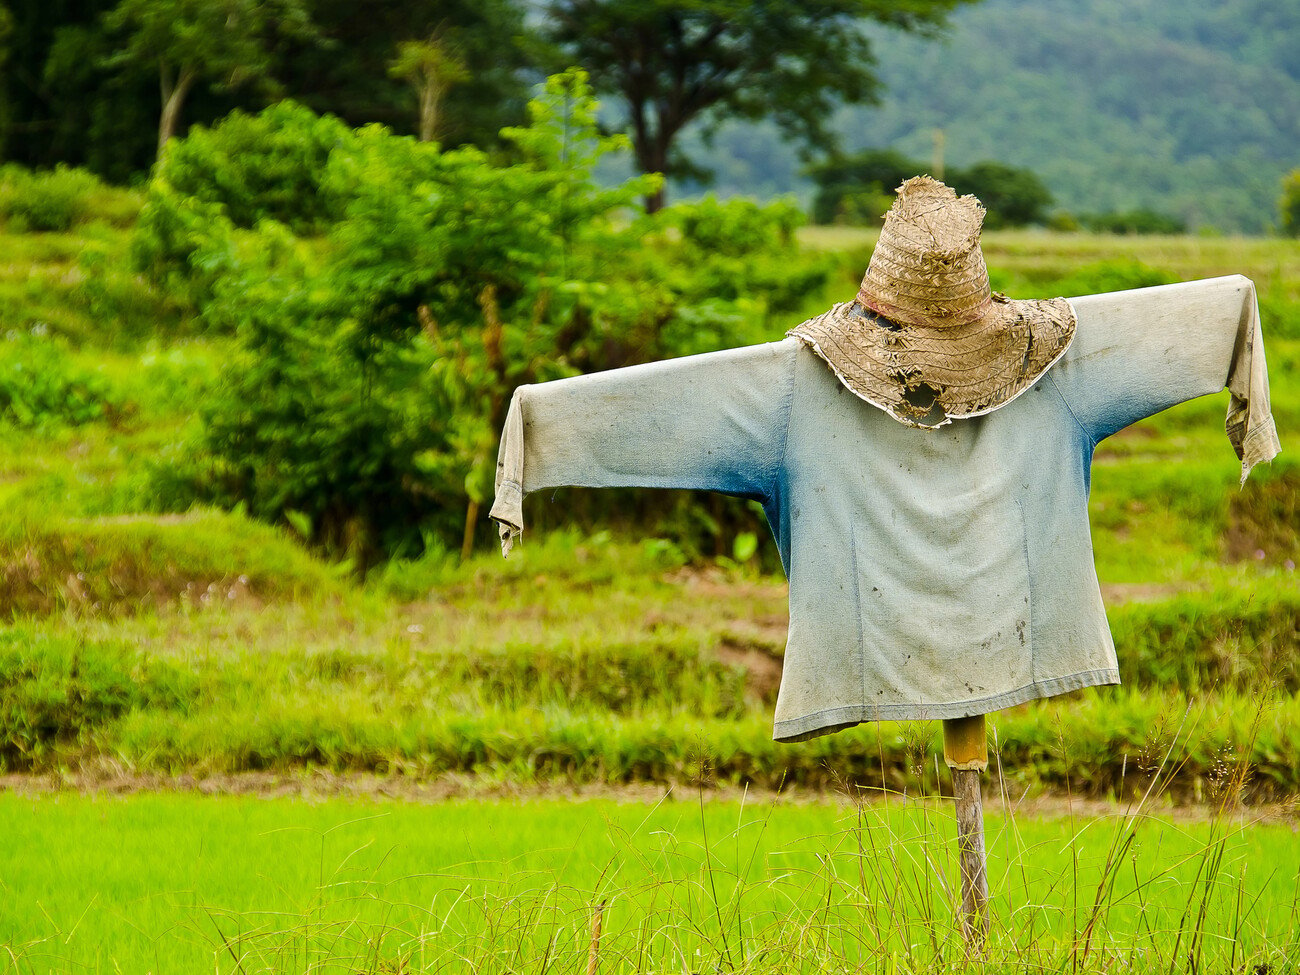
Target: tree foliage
[[267, 166], [74, 91], [347, 74], [1140, 221], [226, 43], [431, 68], [1012, 196], [6, 36], [375, 364], [672, 63], [860, 187], [1289, 204], [56, 200]]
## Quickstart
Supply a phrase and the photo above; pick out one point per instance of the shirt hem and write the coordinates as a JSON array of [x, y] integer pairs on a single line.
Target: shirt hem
[[835, 719]]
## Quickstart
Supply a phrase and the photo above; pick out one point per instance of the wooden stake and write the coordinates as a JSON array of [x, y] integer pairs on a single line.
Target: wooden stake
[[593, 953], [965, 749]]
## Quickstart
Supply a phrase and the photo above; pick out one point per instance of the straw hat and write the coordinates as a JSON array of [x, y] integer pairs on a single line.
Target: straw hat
[[926, 340]]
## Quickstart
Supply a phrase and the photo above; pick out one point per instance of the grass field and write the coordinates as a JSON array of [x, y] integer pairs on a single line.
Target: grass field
[[146, 649], [254, 885], [205, 642]]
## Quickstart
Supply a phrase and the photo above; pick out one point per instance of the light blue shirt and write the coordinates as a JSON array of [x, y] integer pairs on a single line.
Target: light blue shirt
[[933, 573]]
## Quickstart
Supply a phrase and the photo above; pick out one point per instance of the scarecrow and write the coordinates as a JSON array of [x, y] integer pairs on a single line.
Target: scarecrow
[[923, 456]]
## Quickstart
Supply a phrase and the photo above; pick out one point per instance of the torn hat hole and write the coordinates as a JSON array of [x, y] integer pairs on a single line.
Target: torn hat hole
[[922, 404], [860, 310]]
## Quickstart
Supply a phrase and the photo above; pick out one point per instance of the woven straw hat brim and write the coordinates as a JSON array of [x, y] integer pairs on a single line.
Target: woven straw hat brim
[[967, 370]]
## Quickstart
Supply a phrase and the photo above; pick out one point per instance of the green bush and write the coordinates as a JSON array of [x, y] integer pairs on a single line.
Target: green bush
[[1133, 222], [1289, 204], [40, 386], [858, 189], [1012, 196], [52, 690], [57, 690], [740, 249], [1212, 641], [374, 370], [127, 564], [246, 170], [1097, 278], [849, 188], [177, 243], [51, 201], [268, 166]]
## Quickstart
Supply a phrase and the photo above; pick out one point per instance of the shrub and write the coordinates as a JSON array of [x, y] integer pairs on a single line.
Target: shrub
[[738, 227], [54, 690], [846, 184], [1289, 204], [175, 243], [374, 372], [127, 564], [51, 201], [57, 690], [1012, 196], [733, 266], [364, 404], [258, 167], [1133, 222], [246, 170], [1116, 275], [859, 188], [40, 386], [863, 206]]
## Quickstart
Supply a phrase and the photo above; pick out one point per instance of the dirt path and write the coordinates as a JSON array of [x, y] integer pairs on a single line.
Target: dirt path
[[319, 785]]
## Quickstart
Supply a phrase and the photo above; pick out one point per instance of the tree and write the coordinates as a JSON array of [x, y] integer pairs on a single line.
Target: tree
[[1013, 197], [348, 73], [431, 69], [674, 62], [6, 32], [858, 188], [226, 42], [6, 29], [1289, 204], [846, 182]]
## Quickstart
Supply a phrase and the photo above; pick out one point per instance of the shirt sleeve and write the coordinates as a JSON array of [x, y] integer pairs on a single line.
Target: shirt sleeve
[[1138, 352], [713, 422]]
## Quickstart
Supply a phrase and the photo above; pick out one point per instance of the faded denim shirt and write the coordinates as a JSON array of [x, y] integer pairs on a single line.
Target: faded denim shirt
[[933, 573]]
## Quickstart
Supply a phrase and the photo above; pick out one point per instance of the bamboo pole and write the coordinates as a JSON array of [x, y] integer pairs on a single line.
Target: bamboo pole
[[965, 749], [593, 952]]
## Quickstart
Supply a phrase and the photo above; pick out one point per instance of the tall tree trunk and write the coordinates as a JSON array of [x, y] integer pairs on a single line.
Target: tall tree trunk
[[651, 144], [654, 202], [174, 91], [430, 95], [651, 157]]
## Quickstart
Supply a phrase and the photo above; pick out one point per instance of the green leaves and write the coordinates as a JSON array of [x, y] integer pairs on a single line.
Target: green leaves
[[1289, 204], [674, 63], [53, 201], [40, 387], [227, 40], [376, 359], [268, 166]]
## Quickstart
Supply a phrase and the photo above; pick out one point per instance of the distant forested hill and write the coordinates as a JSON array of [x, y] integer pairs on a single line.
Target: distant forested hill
[[1188, 107]]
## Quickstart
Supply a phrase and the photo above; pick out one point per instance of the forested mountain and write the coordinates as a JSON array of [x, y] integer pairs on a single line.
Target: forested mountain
[[1187, 107], [1191, 108]]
